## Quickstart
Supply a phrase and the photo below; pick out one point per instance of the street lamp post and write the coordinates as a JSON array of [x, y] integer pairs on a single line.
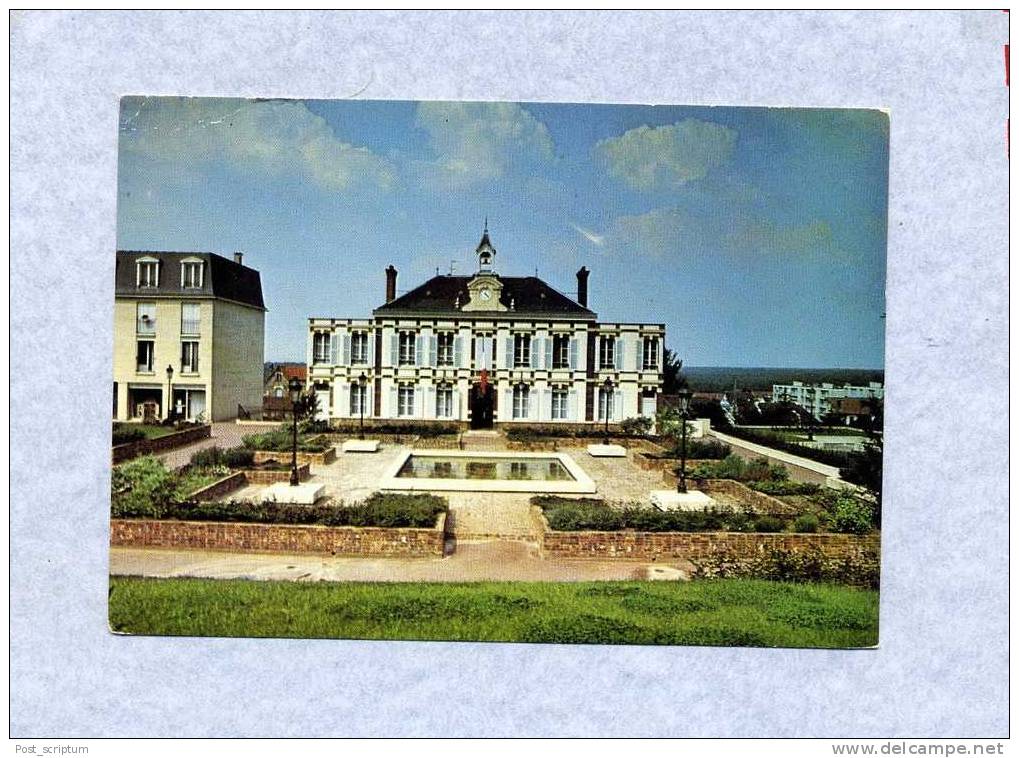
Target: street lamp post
[[684, 405], [607, 390], [362, 382], [295, 401], [169, 391]]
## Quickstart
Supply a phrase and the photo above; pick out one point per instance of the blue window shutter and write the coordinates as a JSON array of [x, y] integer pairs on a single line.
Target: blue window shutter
[[458, 351], [548, 352], [346, 349], [573, 353], [620, 352], [332, 348], [535, 346], [433, 351], [394, 343], [371, 348], [546, 405], [571, 406], [418, 347], [511, 359], [393, 403]]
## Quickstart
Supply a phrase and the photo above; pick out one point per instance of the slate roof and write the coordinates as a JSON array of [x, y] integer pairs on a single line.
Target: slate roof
[[223, 277], [528, 294]]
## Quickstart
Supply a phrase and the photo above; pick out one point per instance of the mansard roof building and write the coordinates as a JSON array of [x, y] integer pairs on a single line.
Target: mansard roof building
[[484, 350]]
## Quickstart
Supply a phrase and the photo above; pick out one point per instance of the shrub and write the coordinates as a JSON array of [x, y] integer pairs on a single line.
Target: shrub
[[638, 426], [768, 524], [784, 487], [734, 467], [145, 488], [793, 566], [281, 440], [852, 515], [386, 510], [208, 457], [238, 457], [122, 434], [567, 515], [806, 522]]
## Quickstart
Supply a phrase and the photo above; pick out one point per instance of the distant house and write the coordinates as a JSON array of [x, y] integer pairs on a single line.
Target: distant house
[[820, 399], [276, 402], [188, 336]]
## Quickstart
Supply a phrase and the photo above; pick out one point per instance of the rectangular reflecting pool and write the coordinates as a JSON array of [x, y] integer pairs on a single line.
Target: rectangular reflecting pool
[[445, 470]]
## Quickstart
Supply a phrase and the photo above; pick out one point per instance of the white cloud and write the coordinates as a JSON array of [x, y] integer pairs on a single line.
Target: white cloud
[[647, 157], [477, 142], [656, 233], [594, 239], [275, 136]]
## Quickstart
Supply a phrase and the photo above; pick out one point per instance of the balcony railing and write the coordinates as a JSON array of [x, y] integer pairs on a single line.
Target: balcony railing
[[146, 326]]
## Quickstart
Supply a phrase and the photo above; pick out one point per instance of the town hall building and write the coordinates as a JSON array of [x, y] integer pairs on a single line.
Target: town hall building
[[485, 350]]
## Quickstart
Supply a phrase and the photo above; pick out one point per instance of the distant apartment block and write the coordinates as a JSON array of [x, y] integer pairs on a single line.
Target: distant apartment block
[[821, 399], [188, 336]]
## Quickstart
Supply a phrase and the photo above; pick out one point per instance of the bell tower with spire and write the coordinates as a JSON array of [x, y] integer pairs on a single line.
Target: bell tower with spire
[[485, 289], [485, 252]]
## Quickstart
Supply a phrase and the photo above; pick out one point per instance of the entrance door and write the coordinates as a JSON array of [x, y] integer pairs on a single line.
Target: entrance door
[[482, 399]]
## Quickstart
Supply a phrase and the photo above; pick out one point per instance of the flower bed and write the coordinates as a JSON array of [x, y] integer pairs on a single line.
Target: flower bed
[[303, 458]]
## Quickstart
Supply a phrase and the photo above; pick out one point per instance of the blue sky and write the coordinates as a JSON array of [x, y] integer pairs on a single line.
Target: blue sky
[[756, 235]]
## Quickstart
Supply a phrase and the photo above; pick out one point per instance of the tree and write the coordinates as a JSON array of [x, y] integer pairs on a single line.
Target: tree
[[866, 468], [673, 380]]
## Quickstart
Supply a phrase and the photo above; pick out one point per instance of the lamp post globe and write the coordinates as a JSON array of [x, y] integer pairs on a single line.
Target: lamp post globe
[[295, 401], [169, 391], [607, 392], [362, 382], [684, 407]]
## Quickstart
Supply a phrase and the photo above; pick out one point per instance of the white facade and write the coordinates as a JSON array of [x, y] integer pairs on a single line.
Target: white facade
[[422, 358], [817, 398]]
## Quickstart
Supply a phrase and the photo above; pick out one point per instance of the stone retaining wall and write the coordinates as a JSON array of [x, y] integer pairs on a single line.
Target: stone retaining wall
[[220, 487], [284, 457], [695, 546], [279, 538], [130, 450], [263, 476]]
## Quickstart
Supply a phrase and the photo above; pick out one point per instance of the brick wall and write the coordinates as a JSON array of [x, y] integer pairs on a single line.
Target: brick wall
[[694, 546], [131, 450], [220, 487], [284, 457], [279, 538], [261, 476]]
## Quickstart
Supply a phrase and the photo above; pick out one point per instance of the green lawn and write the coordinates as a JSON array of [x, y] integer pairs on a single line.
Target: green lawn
[[709, 612], [151, 431]]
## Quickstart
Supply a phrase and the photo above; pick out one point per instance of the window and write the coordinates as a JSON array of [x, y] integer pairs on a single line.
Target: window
[[146, 352], [521, 350], [559, 399], [190, 318], [444, 356], [358, 396], [405, 400], [191, 274], [607, 356], [148, 273], [606, 403], [189, 357], [444, 401], [146, 318], [278, 392], [650, 353], [561, 351], [521, 398], [408, 354], [320, 347], [359, 347]]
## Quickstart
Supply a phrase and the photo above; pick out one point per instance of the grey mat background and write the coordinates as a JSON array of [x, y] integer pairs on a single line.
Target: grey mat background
[[941, 666]]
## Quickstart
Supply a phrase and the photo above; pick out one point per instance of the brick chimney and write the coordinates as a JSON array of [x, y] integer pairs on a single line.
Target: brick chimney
[[239, 259], [582, 285], [390, 283]]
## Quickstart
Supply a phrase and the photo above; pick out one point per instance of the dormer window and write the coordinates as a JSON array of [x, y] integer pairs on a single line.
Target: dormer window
[[148, 272], [191, 273]]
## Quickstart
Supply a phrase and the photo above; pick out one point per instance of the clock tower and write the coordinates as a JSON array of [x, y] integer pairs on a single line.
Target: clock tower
[[485, 289]]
